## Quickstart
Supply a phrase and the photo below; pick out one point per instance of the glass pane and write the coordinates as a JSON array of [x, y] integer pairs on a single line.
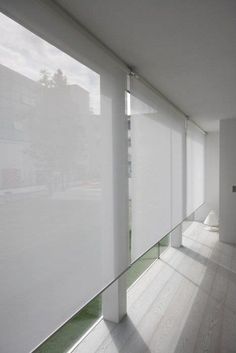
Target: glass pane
[[141, 265], [164, 244], [74, 329]]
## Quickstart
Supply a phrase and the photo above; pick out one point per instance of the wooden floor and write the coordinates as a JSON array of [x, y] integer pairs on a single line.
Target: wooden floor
[[184, 303]]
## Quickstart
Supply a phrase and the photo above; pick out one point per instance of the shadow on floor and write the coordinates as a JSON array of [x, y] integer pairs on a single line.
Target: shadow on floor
[[212, 263], [125, 337], [208, 323]]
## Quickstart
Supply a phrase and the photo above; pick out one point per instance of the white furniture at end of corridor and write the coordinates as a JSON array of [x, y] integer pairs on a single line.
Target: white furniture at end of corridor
[[212, 222]]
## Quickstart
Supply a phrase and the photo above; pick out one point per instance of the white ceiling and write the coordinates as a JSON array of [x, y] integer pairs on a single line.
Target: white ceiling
[[185, 48]]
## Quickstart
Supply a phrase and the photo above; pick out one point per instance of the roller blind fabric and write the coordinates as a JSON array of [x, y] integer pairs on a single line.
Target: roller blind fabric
[[195, 168], [158, 167], [63, 173]]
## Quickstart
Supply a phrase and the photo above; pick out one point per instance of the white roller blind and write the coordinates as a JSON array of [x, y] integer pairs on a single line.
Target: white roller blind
[[178, 169], [195, 168], [63, 173], [158, 149]]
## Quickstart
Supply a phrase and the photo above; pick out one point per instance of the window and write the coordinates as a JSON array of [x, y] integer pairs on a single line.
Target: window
[[164, 243], [63, 134], [70, 333], [142, 264]]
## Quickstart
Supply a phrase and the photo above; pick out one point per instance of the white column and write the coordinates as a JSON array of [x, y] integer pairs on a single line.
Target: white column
[[114, 300], [114, 297], [176, 237]]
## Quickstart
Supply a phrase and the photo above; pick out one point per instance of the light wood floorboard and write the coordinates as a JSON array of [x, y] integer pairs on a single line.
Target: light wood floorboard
[[184, 303]]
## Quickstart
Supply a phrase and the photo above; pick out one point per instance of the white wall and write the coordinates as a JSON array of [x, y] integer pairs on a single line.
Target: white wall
[[212, 177], [227, 180]]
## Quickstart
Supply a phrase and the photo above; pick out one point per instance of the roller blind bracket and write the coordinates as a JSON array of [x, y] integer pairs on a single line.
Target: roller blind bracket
[[132, 72]]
